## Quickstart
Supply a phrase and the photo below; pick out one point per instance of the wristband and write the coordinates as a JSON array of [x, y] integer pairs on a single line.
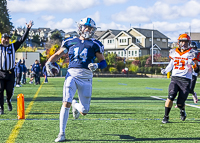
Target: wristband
[[102, 64], [194, 66]]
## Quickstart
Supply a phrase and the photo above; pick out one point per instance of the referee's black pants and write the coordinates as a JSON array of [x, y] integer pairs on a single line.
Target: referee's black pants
[[7, 80]]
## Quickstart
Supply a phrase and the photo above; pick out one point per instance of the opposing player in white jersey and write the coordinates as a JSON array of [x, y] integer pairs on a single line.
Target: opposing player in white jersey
[[183, 62], [194, 75], [82, 52]]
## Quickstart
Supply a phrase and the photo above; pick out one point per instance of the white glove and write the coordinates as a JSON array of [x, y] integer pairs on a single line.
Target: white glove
[[93, 66], [191, 62], [49, 66], [163, 71]]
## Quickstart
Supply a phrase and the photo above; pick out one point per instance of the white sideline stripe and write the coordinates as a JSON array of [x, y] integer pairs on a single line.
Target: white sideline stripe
[[195, 106]]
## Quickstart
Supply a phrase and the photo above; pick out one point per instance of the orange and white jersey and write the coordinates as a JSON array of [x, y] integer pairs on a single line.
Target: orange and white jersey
[[179, 62]]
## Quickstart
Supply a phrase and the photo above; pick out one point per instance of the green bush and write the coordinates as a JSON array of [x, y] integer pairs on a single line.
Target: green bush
[[143, 63], [112, 70], [120, 66], [141, 69], [133, 68]]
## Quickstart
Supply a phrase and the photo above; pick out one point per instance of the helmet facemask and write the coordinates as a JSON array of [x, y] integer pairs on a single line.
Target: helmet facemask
[[86, 34], [184, 46], [86, 28]]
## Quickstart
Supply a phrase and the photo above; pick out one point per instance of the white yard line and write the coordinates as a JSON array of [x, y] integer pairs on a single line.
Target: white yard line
[[195, 106]]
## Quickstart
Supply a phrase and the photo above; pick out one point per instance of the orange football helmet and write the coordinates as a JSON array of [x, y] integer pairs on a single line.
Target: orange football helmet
[[184, 37]]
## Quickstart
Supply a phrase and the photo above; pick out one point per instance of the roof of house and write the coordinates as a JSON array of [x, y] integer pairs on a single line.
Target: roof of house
[[46, 29], [148, 33], [98, 34], [71, 32], [115, 32], [110, 33]]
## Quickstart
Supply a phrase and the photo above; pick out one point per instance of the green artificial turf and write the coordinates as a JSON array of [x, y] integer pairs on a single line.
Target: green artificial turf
[[122, 110]]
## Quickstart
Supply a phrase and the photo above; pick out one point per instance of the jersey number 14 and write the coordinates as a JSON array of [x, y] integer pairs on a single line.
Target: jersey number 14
[[82, 55]]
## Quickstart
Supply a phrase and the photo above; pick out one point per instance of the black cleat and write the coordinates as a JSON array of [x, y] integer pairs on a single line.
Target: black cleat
[[165, 119], [9, 105], [183, 115], [1, 110]]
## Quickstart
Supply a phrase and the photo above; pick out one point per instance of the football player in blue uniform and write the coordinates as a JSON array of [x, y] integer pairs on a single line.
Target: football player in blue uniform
[[194, 75], [82, 52]]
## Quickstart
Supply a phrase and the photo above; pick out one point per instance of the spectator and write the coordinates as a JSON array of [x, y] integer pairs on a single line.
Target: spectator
[[19, 73], [37, 70], [24, 70]]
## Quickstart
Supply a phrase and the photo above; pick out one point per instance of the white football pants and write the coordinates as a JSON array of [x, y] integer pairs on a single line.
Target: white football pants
[[84, 87]]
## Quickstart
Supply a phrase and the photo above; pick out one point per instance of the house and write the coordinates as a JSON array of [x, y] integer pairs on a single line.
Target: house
[[135, 42], [51, 32], [43, 33], [107, 38], [71, 34], [195, 36]]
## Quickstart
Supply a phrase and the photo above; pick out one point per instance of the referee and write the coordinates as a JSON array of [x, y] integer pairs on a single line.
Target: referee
[[7, 64]]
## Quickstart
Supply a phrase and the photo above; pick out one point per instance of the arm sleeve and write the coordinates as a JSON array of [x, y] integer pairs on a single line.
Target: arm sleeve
[[169, 66], [102, 64], [21, 40], [18, 64]]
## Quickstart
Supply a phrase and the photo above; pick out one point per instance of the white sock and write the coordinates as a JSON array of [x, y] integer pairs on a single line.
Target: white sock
[[64, 115]]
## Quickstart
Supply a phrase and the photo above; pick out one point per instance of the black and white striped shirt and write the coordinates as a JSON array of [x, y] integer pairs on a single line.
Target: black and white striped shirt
[[7, 60], [7, 53]]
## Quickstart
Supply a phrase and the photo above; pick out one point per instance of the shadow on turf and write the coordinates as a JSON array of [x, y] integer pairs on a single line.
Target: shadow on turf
[[93, 98], [129, 138]]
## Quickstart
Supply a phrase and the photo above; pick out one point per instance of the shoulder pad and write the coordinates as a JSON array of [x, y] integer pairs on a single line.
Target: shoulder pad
[[99, 44], [171, 53], [193, 54]]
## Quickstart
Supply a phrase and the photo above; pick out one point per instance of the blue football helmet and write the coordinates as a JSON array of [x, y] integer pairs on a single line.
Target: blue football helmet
[[193, 44], [86, 23]]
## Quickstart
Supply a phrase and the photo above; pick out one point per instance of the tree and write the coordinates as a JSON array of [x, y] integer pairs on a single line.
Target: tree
[[36, 39], [5, 25], [56, 36]]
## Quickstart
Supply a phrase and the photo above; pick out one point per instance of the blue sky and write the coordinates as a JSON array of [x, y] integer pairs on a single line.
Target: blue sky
[[171, 17]]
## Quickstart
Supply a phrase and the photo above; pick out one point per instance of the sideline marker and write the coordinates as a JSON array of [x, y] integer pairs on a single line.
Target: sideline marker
[[20, 106]]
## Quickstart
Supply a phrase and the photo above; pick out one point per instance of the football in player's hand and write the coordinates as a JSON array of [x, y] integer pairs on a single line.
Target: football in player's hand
[[55, 69]]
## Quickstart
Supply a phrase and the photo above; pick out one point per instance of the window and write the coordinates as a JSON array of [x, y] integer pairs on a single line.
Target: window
[[123, 41], [150, 39], [158, 39], [164, 40], [140, 52], [136, 54], [139, 40], [110, 41], [132, 53], [122, 53], [129, 53]]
